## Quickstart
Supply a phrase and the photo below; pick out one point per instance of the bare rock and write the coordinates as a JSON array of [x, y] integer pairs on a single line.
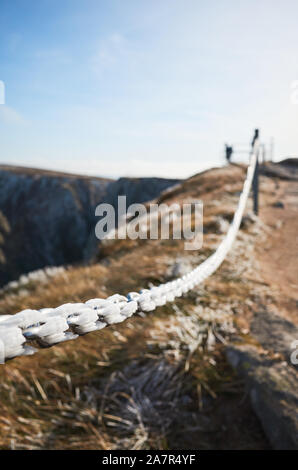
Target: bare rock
[[272, 387]]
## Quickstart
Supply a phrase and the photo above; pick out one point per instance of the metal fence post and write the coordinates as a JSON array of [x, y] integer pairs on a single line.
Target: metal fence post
[[255, 187], [255, 182]]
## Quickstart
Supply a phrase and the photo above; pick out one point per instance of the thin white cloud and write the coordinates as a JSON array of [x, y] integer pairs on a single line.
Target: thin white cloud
[[166, 130], [56, 56], [10, 116], [111, 50]]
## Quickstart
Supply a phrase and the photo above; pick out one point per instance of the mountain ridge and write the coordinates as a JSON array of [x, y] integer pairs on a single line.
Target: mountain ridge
[[48, 218]]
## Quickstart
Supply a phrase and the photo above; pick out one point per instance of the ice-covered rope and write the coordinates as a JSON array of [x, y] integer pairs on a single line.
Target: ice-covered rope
[[50, 326]]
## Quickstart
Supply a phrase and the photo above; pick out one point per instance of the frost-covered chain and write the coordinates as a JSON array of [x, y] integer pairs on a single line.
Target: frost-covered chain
[[50, 326]]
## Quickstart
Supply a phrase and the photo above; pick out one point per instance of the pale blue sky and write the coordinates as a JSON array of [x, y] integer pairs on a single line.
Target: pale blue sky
[[144, 87]]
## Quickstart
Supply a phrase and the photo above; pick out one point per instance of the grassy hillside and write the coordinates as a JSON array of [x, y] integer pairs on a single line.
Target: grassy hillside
[[160, 381]]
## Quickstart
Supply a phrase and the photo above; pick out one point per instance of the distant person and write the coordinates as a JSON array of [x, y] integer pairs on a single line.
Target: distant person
[[229, 152], [255, 137]]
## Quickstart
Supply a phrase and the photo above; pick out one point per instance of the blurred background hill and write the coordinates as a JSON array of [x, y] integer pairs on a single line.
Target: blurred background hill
[[48, 218]]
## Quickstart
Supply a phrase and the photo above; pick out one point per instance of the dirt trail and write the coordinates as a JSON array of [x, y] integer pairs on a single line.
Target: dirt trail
[[265, 361], [278, 256]]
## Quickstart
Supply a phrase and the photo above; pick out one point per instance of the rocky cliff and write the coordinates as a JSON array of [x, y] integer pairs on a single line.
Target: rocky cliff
[[47, 218]]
